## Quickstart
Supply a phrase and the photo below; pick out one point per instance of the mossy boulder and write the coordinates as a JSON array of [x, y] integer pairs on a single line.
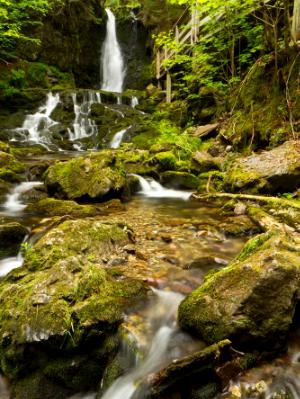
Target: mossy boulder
[[11, 236], [182, 180], [202, 162], [11, 170], [272, 171], [55, 207], [91, 177], [253, 300], [64, 307]]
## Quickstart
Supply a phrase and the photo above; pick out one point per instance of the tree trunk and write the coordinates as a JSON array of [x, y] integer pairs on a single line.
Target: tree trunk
[[296, 21]]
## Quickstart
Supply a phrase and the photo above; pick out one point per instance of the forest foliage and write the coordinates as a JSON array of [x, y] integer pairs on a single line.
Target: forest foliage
[[235, 35], [16, 16]]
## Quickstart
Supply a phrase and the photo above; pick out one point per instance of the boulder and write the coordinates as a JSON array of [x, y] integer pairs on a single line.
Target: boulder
[[55, 207], [92, 177], [253, 300], [181, 180], [11, 170], [202, 162], [63, 308], [272, 171]]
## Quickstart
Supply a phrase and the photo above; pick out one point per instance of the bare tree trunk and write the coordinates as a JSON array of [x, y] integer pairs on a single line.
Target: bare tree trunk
[[296, 21]]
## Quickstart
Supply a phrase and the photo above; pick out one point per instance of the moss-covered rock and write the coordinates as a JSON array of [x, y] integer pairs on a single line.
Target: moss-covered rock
[[93, 177], [253, 300], [272, 171], [180, 180], [55, 207], [63, 307], [11, 170]]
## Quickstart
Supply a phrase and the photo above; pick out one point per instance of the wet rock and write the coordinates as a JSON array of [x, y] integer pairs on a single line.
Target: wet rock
[[70, 310], [11, 236], [272, 171], [239, 226], [179, 180], [206, 263], [191, 373], [253, 300], [94, 177]]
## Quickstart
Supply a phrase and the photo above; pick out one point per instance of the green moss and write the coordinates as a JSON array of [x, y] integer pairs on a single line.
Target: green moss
[[253, 245], [54, 207]]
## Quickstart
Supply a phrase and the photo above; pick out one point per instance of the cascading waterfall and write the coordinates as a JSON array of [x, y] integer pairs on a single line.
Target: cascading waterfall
[[83, 125], [112, 63], [36, 127], [118, 137], [134, 101], [152, 189], [167, 304], [13, 203]]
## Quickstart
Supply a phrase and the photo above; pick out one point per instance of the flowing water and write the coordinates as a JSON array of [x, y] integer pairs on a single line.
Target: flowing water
[[134, 101], [112, 64], [83, 125], [36, 128], [152, 189], [118, 137], [162, 316], [14, 203]]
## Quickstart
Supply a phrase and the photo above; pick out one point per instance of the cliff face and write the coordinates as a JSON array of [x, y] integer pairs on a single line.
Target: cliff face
[[72, 37]]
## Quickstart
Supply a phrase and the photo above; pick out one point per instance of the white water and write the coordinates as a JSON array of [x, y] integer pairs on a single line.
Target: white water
[[83, 125], [167, 305], [13, 203], [112, 63], [36, 127], [134, 101], [152, 189], [118, 137], [9, 264]]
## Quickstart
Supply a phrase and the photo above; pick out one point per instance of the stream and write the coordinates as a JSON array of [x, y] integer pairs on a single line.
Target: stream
[[178, 241]]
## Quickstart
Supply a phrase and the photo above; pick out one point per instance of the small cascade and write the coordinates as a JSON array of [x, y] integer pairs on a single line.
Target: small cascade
[[36, 127], [152, 189], [13, 203], [83, 125], [118, 137], [112, 63], [9, 264], [134, 101], [163, 318]]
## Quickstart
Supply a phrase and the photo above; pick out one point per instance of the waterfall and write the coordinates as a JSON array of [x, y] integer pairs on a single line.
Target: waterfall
[[118, 137], [13, 203], [134, 101], [83, 125], [36, 127], [112, 61], [152, 189]]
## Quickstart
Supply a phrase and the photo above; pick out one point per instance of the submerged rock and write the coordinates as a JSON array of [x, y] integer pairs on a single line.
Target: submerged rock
[[63, 308], [253, 300], [272, 171]]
